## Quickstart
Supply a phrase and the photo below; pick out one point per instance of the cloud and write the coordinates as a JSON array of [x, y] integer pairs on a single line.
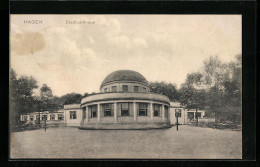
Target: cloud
[[76, 58]]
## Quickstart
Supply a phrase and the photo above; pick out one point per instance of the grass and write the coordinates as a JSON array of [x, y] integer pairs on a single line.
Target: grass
[[188, 143]]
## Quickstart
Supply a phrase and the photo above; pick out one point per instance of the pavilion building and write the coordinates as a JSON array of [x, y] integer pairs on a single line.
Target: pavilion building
[[125, 101]]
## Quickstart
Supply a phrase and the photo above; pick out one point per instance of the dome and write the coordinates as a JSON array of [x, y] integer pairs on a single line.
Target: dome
[[124, 75]]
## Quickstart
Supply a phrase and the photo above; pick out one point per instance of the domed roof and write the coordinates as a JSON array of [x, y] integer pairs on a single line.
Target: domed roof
[[124, 75]]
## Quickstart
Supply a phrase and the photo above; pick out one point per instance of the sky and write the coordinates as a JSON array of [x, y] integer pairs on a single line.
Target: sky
[[74, 53]]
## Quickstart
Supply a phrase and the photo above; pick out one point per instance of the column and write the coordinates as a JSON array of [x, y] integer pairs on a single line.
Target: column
[[82, 116], [151, 110], [98, 112], [134, 107], [115, 111], [194, 115], [163, 112], [86, 114]]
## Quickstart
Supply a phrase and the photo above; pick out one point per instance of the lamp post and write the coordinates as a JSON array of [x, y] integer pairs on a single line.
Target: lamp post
[[177, 114]]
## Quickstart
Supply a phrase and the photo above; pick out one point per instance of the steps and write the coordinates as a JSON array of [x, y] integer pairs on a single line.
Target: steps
[[125, 126]]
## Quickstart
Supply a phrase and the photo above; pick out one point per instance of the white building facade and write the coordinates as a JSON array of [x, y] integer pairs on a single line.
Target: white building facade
[[125, 101], [186, 116]]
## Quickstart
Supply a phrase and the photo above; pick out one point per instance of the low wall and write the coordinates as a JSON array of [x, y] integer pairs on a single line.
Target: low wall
[[206, 120]]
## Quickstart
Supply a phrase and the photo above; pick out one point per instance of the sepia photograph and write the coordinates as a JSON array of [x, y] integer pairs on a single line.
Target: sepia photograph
[[120, 86]]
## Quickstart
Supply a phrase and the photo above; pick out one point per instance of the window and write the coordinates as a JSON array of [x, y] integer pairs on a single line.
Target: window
[[143, 108], [31, 118], [44, 117], [60, 117], [25, 118], [52, 117], [114, 89], [93, 111], [136, 88], [125, 88], [124, 109], [105, 90], [144, 89], [156, 110], [107, 109], [199, 114], [73, 115]]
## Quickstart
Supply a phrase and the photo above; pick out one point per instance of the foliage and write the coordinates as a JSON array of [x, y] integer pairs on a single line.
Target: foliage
[[221, 84], [167, 89], [70, 98], [191, 97], [21, 96]]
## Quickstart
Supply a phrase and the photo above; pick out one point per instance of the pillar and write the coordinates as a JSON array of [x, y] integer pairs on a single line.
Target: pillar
[[163, 113], [134, 106], [86, 114], [98, 112], [151, 110], [194, 115], [115, 111]]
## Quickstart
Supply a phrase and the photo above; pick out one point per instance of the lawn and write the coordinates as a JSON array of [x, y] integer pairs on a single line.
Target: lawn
[[66, 142]]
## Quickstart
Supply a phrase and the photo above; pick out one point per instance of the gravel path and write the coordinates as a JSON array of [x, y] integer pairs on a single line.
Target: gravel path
[[188, 143]]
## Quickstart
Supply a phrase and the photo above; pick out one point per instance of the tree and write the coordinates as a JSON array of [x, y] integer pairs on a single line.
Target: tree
[[87, 94], [224, 88], [191, 97], [21, 96], [167, 89], [70, 98], [46, 98]]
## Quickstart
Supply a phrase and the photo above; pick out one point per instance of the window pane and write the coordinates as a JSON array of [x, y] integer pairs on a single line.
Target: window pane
[[52, 117], [136, 88], [60, 116], [93, 111], [73, 115], [124, 109], [108, 110], [125, 112], [114, 89], [156, 108], [125, 88], [143, 108]]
